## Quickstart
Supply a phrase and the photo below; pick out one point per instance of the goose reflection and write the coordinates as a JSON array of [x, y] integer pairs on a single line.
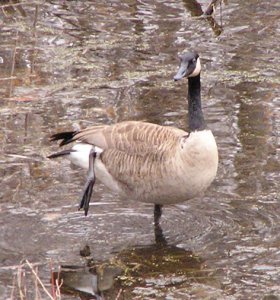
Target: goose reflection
[[131, 270]]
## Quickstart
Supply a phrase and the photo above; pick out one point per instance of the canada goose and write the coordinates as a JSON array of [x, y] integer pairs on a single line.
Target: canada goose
[[148, 162]]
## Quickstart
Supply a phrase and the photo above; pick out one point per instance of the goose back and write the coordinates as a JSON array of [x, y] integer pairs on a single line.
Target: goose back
[[133, 137]]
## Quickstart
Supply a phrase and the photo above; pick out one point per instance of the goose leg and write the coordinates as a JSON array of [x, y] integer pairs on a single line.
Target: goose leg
[[157, 213], [87, 191], [159, 237]]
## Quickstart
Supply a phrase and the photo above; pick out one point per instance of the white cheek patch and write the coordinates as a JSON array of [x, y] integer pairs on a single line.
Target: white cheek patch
[[197, 69]]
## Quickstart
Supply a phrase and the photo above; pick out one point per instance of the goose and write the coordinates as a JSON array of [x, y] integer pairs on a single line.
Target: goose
[[148, 162]]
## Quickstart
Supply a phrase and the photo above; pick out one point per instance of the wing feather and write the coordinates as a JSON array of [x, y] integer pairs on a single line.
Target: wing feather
[[132, 136]]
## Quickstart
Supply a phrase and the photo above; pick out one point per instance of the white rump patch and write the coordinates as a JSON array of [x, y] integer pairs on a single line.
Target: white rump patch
[[81, 154]]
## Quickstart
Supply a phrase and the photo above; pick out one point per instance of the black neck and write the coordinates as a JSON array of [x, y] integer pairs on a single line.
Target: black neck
[[196, 120]]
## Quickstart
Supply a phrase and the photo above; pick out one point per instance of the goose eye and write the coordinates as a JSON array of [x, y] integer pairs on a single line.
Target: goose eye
[[194, 60]]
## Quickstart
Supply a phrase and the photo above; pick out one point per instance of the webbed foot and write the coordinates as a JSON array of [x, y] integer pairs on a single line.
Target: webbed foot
[[87, 191]]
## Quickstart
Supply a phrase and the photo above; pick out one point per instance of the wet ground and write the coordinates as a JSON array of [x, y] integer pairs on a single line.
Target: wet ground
[[95, 62]]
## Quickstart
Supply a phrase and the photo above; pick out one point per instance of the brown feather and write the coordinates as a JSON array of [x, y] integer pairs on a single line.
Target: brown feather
[[131, 137]]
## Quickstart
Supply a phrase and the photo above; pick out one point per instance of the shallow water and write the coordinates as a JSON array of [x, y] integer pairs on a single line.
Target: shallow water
[[90, 62]]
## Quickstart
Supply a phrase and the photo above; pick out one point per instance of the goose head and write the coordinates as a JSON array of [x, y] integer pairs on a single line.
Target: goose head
[[189, 66]]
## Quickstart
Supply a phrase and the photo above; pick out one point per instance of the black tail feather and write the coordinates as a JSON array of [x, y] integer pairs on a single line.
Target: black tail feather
[[61, 153], [66, 137]]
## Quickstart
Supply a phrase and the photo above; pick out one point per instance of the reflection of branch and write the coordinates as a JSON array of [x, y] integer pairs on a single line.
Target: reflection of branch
[[195, 9], [34, 52], [14, 4], [211, 7], [214, 25], [35, 18], [13, 66], [12, 7], [26, 122]]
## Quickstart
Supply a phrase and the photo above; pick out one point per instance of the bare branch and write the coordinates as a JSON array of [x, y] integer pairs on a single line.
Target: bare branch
[[38, 279]]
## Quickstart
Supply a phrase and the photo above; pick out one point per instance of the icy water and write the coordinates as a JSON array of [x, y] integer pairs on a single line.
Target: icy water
[[101, 62]]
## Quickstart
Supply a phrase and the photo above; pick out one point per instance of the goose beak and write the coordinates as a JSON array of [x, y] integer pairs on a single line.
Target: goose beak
[[181, 73], [184, 71]]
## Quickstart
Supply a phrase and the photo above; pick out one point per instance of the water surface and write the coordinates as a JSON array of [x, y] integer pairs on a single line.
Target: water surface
[[90, 62]]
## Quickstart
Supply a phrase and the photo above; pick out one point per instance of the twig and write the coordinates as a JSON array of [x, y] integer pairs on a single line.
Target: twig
[[36, 285], [119, 294], [39, 280], [19, 282], [15, 267], [8, 78], [58, 286], [23, 157], [52, 280]]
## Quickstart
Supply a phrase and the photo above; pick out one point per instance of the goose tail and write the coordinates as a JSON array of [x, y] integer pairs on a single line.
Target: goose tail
[[61, 153], [66, 137]]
